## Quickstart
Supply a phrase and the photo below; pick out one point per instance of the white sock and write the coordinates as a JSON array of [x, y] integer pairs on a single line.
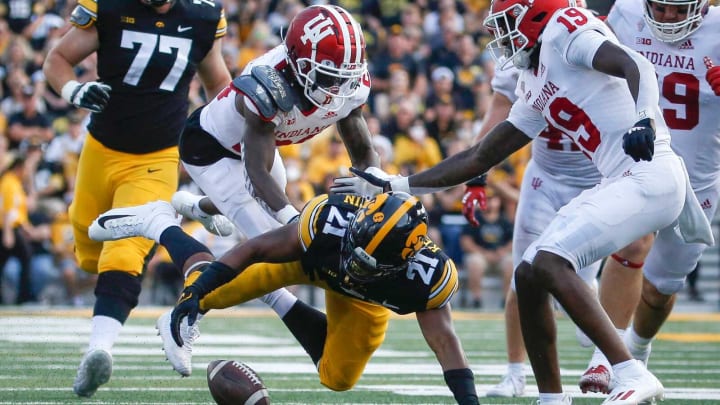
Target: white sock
[[634, 341], [516, 369], [103, 333], [599, 359], [280, 301], [554, 397]]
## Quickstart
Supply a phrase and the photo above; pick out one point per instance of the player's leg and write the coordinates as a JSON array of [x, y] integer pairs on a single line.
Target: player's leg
[[620, 286], [132, 181], [157, 221], [307, 324], [355, 329], [537, 320], [668, 264], [593, 225], [535, 210], [227, 185], [621, 280], [93, 194], [200, 208]]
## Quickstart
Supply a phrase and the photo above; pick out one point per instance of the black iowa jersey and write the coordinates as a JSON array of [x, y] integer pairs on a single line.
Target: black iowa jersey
[[149, 60], [429, 282]]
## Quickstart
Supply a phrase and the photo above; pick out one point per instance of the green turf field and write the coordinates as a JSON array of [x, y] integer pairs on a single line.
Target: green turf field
[[40, 350]]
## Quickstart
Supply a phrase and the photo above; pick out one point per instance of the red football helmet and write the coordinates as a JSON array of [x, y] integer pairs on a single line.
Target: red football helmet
[[326, 50], [517, 26], [691, 12]]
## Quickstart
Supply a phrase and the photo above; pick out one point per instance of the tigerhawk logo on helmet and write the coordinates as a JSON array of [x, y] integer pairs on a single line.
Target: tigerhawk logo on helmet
[[383, 236]]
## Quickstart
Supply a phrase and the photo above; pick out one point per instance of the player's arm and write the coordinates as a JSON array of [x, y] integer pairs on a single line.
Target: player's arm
[[259, 154], [499, 143], [437, 328], [280, 245], [639, 73], [213, 71], [357, 138], [617, 60], [73, 47]]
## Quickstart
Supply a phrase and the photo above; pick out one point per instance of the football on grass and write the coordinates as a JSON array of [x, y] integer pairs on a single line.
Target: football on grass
[[235, 383]]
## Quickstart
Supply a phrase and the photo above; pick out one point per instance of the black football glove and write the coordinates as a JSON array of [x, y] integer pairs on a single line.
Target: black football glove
[[212, 277], [93, 96], [188, 305], [639, 141]]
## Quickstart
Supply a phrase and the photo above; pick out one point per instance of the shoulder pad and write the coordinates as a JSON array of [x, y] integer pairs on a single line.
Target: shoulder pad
[[84, 14], [276, 85], [267, 89], [255, 92], [308, 218]]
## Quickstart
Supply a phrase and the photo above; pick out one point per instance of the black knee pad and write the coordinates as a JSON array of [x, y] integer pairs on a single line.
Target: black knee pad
[[116, 294]]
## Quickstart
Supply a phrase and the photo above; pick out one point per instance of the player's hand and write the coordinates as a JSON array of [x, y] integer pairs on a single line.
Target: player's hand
[[474, 197], [366, 183], [639, 141], [713, 75], [93, 96], [188, 305]]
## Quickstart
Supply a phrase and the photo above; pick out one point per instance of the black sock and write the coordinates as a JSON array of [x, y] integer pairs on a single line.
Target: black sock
[[309, 326], [180, 246]]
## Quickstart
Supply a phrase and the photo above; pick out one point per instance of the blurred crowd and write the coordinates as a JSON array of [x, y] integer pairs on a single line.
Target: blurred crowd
[[430, 90]]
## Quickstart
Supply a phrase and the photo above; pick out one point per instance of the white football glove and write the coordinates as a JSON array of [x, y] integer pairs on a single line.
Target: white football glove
[[369, 183], [93, 96]]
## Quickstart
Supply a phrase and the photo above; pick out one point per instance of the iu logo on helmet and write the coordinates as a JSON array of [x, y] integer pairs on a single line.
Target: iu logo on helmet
[[317, 29]]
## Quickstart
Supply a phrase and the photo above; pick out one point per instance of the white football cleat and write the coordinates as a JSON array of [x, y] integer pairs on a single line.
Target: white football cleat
[[566, 400], [635, 385], [147, 220], [180, 357], [95, 370], [510, 386], [595, 379], [186, 203]]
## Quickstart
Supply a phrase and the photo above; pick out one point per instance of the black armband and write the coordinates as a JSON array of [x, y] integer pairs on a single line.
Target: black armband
[[461, 382], [478, 181], [213, 276]]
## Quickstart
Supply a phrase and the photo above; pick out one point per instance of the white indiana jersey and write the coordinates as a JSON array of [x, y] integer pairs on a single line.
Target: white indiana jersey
[[552, 151], [593, 108], [557, 173], [222, 121], [689, 106]]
